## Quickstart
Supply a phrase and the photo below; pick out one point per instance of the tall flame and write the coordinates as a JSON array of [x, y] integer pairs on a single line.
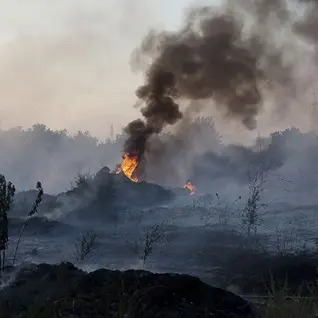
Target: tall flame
[[191, 187], [128, 166]]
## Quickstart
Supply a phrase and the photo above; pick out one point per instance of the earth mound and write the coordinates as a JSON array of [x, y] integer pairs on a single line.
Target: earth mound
[[66, 291], [96, 197]]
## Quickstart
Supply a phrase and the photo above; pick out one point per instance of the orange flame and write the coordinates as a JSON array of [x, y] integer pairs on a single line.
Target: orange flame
[[191, 187], [128, 166]]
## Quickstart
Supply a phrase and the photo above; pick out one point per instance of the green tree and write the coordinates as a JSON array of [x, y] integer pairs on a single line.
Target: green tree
[[7, 191]]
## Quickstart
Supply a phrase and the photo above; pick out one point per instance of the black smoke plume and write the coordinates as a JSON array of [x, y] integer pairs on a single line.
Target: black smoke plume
[[214, 59], [160, 110], [308, 25]]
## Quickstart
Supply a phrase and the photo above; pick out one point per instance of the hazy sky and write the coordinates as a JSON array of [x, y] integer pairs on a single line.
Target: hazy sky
[[65, 63]]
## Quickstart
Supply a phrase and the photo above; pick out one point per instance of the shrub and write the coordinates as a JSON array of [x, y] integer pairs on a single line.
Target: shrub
[[145, 245], [7, 191], [251, 214], [81, 182], [84, 246], [33, 210]]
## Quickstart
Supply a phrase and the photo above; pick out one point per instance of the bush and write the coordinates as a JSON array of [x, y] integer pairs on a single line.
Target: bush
[[84, 246], [7, 191]]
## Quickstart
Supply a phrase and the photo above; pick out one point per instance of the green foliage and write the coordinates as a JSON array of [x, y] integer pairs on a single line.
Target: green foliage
[[7, 191]]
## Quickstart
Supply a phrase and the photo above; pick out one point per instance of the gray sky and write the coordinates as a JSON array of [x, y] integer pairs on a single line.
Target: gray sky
[[65, 63]]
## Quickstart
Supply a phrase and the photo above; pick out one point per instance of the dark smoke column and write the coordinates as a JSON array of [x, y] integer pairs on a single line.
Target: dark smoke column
[[160, 110], [209, 59], [211, 62]]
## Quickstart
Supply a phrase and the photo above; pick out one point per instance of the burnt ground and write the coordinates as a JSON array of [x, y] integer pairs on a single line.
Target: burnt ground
[[224, 259], [221, 258], [65, 291], [193, 239]]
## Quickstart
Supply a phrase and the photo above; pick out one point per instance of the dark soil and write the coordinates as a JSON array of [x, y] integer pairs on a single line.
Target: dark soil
[[65, 291]]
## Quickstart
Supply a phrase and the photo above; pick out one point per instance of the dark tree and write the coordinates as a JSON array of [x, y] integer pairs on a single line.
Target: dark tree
[[7, 191]]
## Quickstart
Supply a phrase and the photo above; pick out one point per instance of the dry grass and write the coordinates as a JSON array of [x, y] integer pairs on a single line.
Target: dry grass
[[278, 303]]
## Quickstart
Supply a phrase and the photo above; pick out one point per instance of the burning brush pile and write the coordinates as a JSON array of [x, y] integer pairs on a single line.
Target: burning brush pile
[[107, 194], [118, 191], [129, 167]]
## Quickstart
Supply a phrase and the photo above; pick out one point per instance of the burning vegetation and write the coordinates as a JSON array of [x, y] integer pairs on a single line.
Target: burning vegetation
[[191, 187], [128, 166]]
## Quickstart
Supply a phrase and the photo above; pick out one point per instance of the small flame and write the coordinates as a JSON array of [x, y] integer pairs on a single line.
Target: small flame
[[191, 187], [128, 166]]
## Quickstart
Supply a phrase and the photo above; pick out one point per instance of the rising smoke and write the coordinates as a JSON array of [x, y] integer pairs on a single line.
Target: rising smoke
[[233, 58], [308, 26]]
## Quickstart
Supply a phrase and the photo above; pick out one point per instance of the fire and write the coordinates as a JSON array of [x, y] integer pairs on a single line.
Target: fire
[[191, 187], [128, 166]]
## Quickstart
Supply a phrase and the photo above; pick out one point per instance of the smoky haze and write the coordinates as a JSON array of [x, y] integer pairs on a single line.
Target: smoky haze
[[65, 63], [244, 59]]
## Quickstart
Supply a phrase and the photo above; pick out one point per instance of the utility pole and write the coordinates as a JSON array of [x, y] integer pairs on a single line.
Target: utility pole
[[314, 113], [111, 133]]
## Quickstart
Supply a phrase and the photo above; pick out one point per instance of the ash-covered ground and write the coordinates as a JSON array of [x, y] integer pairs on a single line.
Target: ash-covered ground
[[199, 234]]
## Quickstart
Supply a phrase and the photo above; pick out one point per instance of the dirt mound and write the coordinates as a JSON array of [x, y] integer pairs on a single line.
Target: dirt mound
[[107, 193], [65, 291]]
